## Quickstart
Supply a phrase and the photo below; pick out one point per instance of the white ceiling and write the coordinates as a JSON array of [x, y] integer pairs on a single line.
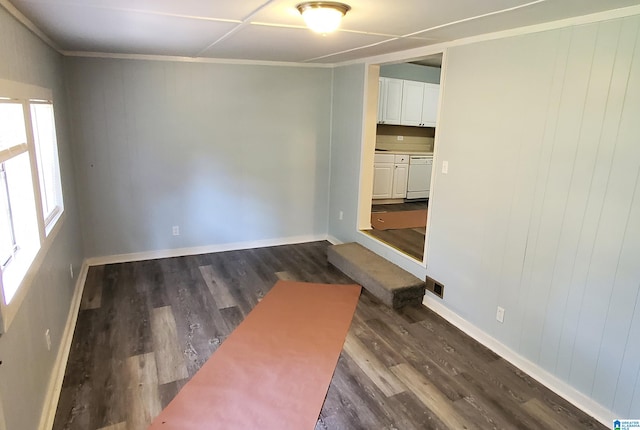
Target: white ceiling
[[274, 31]]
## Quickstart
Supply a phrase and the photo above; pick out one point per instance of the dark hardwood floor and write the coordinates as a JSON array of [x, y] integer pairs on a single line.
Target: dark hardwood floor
[[145, 328], [406, 206], [408, 240]]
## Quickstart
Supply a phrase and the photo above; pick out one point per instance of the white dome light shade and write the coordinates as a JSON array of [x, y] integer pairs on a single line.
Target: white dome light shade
[[323, 17]]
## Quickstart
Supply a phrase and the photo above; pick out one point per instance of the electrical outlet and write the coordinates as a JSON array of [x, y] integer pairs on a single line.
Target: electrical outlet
[[445, 167], [176, 230], [341, 215], [71, 270], [400, 137], [47, 338], [500, 314]]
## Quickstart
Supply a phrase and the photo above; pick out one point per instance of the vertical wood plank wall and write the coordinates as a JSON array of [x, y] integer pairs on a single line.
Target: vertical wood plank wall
[[540, 210]]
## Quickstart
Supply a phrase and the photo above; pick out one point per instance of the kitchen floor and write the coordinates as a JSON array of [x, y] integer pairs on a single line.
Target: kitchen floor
[[408, 240]]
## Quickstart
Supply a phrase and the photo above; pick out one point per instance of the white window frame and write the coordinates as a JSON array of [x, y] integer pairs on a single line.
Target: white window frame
[[48, 228]]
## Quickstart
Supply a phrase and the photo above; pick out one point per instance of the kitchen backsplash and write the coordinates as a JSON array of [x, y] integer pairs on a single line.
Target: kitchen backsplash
[[411, 138]]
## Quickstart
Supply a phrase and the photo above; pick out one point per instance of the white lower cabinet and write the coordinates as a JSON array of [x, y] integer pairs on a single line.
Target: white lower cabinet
[[390, 176], [400, 178], [382, 180]]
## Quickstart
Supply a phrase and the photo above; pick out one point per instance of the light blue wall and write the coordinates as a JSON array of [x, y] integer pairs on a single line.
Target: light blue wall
[[230, 153], [411, 72], [540, 210], [26, 364], [346, 135]]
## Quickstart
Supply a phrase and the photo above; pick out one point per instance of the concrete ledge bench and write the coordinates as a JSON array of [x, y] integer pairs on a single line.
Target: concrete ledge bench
[[391, 284]]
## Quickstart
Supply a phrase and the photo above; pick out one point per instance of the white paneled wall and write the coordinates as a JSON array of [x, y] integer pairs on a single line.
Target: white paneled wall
[[540, 210], [229, 153]]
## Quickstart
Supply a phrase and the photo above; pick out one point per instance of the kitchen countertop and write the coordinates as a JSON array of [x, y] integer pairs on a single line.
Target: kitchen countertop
[[384, 151]]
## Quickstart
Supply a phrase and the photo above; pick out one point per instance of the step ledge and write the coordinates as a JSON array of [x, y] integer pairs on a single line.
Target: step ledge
[[393, 285]]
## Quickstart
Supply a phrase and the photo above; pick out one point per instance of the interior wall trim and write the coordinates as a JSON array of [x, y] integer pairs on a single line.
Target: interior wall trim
[[578, 399], [29, 24], [54, 388], [182, 252], [424, 51], [334, 240], [195, 59]]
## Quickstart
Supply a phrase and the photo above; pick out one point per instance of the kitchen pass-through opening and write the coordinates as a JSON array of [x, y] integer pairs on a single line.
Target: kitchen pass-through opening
[[400, 131]]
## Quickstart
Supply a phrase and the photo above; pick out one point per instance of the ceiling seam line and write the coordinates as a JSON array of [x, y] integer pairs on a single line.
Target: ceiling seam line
[[238, 27], [472, 18]]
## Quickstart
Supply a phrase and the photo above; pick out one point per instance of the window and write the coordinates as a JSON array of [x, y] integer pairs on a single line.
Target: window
[[44, 133], [30, 188]]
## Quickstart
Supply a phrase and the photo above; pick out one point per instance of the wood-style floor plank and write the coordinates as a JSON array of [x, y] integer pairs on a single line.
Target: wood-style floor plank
[[284, 276], [92, 294], [142, 391], [407, 240], [430, 396], [168, 356], [119, 426], [372, 366], [543, 414], [218, 289], [145, 328]]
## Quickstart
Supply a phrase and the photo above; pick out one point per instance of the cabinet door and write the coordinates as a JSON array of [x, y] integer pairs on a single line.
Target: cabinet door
[[382, 95], [430, 105], [412, 95], [392, 101], [400, 178], [382, 180]]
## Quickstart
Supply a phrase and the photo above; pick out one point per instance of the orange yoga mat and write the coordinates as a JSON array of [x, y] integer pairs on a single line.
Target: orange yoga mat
[[274, 370]]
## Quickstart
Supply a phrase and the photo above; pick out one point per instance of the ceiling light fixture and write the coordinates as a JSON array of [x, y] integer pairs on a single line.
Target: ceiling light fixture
[[323, 16]]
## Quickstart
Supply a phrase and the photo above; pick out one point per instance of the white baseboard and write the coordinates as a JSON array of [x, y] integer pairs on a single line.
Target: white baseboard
[[333, 240], [181, 252], [578, 399], [57, 375]]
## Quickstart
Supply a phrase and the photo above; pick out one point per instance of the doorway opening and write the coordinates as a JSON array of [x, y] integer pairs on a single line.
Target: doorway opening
[[400, 144]]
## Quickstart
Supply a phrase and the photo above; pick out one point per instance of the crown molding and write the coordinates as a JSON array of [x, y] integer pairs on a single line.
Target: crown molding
[[29, 24], [193, 59]]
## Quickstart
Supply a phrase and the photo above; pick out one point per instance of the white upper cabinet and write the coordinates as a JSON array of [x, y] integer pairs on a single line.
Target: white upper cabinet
[[430, 105], [391, 102], [382, 98], [403, 102], [412, 101]]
